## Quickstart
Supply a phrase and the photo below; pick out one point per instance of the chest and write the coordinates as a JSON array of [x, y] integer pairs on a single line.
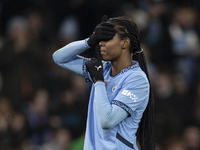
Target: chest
[[113, 86]]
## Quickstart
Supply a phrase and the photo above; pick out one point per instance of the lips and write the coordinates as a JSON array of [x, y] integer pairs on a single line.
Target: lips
[[103, 52]]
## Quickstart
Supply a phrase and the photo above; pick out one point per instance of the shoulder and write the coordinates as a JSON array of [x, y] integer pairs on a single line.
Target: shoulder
[[137, 78]]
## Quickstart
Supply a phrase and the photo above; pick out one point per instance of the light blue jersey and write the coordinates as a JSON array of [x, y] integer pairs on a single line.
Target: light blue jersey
[[127, 91]]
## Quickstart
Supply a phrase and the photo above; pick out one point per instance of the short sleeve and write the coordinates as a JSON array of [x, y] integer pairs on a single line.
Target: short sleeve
[[133, 94]]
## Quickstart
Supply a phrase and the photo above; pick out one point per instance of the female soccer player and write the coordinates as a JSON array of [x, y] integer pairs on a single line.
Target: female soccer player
[[120, 99]]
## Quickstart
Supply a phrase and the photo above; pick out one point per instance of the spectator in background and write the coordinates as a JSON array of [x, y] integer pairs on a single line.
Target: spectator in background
[[6, 112], [56, 80], [156, 35], [72, 106], [191, 137], [172, 99], [18, 131], [19, 62], [175, 144], [183, 100], [60, 141], [184, 34], [69, 30], [35, 21], [38, 118], [163, 91]]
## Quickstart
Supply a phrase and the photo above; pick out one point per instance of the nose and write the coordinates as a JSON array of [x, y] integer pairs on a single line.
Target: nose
[[102, 43]]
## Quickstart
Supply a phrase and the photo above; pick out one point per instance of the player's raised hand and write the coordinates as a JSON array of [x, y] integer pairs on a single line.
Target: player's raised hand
[[95, 68], [104, 18], [103, 32]]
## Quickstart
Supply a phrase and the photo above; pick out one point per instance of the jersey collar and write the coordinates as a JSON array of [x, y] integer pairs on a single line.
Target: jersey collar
[[135, 65]]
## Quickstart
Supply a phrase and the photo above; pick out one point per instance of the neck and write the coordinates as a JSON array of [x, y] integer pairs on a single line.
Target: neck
[[119, 65]]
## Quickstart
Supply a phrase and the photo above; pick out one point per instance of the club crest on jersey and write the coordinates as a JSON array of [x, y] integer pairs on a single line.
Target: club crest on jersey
[[130, 95], [114, 88]]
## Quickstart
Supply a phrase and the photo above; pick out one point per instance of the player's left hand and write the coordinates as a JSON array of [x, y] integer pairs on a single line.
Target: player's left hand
[[95, 68], [103, 32]]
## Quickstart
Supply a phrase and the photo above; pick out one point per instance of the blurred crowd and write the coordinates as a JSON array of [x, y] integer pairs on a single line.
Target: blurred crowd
[[44, 107]]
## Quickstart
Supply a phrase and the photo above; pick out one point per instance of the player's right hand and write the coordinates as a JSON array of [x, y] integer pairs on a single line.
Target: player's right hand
[[95, 68]]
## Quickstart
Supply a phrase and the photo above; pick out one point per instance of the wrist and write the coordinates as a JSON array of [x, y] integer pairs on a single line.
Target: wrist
[[86, 43], [97, 80], [90, 43], [100, 83]]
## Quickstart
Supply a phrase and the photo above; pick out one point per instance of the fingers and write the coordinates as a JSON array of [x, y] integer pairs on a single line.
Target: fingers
[[103, 32], [107, 33], [107, 24], [104, 18], [106, 36], [104, 28], [107, 29]]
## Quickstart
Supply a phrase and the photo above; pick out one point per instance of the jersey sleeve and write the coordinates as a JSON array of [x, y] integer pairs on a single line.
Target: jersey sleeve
[[68, 57], [108, 115], [133, 94]]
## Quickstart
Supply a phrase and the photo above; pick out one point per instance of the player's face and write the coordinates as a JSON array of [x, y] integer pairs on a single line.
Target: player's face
[[111, 50]]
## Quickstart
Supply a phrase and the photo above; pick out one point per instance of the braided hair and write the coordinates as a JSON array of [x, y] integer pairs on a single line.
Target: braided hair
[[127, 28]]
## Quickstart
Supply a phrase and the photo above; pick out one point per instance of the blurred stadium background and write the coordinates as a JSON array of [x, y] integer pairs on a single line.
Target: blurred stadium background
[[44, 107]]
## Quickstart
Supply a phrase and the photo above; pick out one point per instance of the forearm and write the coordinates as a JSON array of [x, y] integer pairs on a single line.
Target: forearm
[[108, 115], [70, 51]]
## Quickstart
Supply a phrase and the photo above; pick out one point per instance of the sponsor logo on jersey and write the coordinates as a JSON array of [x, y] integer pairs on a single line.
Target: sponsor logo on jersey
[[130, 95]]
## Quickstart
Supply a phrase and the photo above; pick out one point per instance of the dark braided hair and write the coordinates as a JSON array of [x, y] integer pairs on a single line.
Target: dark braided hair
[[127, 28]]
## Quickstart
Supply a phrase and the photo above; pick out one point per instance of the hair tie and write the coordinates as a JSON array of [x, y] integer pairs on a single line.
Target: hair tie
[[138, 52]]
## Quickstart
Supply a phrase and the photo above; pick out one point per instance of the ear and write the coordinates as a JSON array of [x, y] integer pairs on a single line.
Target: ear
[[125, 43]]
